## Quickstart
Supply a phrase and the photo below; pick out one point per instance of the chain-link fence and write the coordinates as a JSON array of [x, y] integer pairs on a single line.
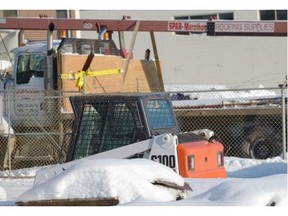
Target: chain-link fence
[[35, 127], [248, 122]]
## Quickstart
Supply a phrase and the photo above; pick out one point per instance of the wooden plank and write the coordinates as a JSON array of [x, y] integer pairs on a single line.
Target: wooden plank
[[159, 72], [141, 76], [125, 69], [72, 202]]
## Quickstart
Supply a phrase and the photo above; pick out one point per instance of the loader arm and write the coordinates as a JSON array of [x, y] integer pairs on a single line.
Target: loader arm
[[163, 140]]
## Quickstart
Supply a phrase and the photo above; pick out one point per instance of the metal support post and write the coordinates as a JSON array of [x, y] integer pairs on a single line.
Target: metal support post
[[284, 113], [131, 49]]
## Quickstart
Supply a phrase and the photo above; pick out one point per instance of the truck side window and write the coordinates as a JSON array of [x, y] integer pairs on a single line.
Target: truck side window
[[86, 49], [159, 114], [29, 65], [67, 48]]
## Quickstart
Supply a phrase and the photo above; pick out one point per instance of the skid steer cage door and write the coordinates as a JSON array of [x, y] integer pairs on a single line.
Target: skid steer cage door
[[103, 126]]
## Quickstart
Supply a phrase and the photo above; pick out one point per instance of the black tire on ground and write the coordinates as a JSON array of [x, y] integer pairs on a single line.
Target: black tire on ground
[[262, 143]]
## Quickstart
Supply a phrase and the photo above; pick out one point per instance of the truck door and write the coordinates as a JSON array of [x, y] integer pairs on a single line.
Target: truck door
[[27, 87]]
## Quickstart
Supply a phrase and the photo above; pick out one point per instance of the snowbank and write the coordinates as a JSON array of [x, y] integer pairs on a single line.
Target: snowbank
[[250, 183], [3, 194], [127, 180]]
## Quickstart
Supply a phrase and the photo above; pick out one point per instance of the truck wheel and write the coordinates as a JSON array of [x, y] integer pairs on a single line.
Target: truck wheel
[[262, 143]]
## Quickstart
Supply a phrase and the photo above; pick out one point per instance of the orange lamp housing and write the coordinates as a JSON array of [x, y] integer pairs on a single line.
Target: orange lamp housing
[[201, 159], [63, 34], [107, 35]]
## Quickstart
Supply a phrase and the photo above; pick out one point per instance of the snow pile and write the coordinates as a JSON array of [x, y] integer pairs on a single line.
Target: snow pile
[[3, 195], [265, 191], [127, 180], [253, 168], [250, 182]]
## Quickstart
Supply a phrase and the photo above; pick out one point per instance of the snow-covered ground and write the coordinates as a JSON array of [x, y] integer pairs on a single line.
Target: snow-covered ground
[[249, 183]]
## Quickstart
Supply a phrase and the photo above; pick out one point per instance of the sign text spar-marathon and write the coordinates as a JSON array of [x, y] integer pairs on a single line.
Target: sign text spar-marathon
[[187, 26]]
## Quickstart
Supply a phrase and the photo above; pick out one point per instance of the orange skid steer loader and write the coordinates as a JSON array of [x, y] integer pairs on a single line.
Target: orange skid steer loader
[[138, 125]]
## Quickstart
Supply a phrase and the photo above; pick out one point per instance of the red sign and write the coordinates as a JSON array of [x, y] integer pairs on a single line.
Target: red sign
[[187, 26]]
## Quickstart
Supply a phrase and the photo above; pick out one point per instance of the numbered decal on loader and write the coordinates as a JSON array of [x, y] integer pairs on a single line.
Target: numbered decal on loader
[[168, 160]]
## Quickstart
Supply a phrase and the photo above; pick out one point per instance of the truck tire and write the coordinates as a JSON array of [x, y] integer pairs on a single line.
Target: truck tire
[[262, 143]]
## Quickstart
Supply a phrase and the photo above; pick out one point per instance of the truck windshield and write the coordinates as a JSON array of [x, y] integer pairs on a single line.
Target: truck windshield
[[29, 65], [160, 114]]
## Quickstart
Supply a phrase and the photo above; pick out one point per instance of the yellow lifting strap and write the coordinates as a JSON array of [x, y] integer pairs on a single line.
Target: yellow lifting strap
[[79, 76]]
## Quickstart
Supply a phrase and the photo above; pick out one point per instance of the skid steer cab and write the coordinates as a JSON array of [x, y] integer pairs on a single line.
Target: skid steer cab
[[142, 126]]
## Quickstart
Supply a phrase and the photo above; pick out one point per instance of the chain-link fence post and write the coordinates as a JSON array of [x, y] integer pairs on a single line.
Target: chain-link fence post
[[9, 137], [283, 87]]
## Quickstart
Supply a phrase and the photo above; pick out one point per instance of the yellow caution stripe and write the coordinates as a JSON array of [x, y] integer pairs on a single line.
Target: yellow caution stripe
[[79, 76]]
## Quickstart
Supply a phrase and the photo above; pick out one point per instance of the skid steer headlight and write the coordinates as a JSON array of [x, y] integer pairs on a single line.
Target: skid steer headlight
[[220, 159], [191, 162]]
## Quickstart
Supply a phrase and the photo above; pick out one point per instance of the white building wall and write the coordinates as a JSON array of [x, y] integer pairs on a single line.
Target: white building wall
[[240, 62]]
